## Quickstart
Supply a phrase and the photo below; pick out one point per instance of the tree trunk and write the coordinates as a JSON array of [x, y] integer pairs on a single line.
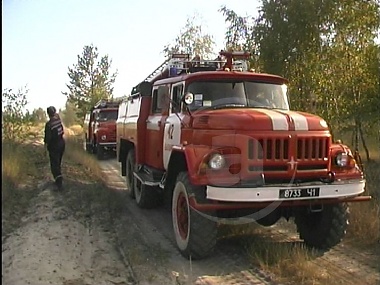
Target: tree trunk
[[363, 141]]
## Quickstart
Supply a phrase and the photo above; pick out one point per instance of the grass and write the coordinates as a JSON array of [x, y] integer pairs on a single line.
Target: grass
[[364, 228], [288, 261], [23, 167], [74, 152]]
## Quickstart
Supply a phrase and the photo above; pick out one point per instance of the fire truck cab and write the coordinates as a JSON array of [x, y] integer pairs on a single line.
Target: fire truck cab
[[215, 140], [100, 128]]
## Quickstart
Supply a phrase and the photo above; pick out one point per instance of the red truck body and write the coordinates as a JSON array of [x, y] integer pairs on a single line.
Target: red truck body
[[216, 142], [100, 128]]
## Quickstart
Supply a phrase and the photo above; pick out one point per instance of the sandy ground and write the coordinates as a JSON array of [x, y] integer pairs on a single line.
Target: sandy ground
[[54, 248]]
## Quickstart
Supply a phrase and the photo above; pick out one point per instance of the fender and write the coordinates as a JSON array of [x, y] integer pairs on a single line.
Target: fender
[[196, 157]]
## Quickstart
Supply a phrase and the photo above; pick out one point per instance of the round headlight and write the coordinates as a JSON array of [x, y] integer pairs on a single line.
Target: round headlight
[[323, 123], [341, 159], [103, 137], [216, 161]]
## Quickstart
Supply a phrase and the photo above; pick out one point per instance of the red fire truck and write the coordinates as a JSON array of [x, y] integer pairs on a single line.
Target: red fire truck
[[100, 128], [216, 140]]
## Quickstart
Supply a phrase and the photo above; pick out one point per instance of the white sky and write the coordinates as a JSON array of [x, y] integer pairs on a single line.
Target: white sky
[[42, 38]]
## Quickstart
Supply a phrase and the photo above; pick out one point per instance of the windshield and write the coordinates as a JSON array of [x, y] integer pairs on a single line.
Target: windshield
[[104, 116], [222, 94]]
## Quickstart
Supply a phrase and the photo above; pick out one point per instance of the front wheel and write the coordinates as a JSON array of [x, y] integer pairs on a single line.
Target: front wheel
[[195, 232], [100, 152], [147, 197], [323, 229]]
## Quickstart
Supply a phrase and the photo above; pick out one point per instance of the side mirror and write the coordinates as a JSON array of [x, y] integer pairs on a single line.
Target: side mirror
[[145, 88], [188, 98]]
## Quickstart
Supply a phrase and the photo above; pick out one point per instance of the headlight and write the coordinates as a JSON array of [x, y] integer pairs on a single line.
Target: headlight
[[103, 137], [341, 159], [216, 161]]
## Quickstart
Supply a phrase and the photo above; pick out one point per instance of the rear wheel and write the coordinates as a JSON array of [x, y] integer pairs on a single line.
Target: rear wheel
[[323, 229], [195, 232], [131, 164]]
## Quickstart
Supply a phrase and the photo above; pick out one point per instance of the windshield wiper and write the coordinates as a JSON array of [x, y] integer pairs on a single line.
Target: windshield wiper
[[228, 106], [262, 107]]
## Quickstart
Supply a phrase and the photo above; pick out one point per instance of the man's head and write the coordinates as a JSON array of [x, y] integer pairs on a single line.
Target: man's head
[[51, 111]]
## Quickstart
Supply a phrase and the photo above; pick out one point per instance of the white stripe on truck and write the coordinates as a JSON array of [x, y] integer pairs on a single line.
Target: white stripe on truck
[[279, 121]]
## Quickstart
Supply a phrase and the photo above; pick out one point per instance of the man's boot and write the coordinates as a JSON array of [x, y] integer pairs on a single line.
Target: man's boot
[[59, 182]]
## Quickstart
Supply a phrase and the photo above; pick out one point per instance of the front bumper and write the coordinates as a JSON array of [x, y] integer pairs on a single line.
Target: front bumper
[[335, 190], [108, 144]]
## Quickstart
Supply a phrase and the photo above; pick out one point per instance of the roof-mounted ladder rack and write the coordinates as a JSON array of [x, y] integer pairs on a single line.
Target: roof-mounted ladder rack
[[174, 59], [103, 103]]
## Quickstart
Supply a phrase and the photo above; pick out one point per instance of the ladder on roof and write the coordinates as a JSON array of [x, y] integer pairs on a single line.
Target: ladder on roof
[[104, 103], [175, 59], [179, 62]]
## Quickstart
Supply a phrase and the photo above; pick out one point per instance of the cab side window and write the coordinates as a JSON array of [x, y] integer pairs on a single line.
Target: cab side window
[[155, 102], [177, 94], [160, 99]]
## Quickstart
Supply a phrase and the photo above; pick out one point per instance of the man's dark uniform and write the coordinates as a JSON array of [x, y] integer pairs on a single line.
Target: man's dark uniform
[[55, 144]]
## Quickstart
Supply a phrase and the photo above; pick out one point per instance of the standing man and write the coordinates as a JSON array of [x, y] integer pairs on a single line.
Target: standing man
[[55, 144]]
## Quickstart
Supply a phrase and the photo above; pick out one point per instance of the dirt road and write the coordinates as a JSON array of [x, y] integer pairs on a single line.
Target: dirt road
[[61, 241]]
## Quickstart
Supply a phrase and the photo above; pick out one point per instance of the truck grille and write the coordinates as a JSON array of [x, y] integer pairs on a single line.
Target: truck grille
[[112, 137], [274, 154], [312, 148], [268, 149]]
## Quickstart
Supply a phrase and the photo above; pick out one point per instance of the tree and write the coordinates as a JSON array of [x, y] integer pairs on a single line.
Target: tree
[[354, 55], [69, 115], [326, 49], [15, 121], [192, 40], [90, 80], [38, 115], [239, 31]]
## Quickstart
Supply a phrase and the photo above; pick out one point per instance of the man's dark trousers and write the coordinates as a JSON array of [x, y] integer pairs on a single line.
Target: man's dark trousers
[[55, 155]]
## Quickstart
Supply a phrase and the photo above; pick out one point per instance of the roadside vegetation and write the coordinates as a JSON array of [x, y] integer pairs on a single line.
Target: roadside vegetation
[[364, 228], [23, 164]]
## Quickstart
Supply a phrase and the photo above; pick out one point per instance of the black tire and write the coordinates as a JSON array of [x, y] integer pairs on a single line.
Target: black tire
[[94, 147], [88, 147], [147, 197], [195, 232], [87, 144], [325, 229], [130, 167], [100, 152]]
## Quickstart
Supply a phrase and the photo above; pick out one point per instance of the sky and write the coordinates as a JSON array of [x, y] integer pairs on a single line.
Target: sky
[[41, 39]]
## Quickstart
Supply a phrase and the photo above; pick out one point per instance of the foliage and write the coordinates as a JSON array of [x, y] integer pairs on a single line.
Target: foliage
[[90, 80], [15, 122], [238, 35], [192, 40], [37, 116], [327, 50], [69, 115]]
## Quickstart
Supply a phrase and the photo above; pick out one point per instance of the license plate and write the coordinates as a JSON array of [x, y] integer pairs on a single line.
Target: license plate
[[299, 192]]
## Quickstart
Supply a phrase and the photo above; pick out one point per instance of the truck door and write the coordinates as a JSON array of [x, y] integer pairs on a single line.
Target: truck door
[[120, 125], [155, 126], [172, 127]]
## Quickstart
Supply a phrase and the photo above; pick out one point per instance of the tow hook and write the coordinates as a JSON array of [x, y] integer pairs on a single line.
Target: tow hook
[[315, 208]]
